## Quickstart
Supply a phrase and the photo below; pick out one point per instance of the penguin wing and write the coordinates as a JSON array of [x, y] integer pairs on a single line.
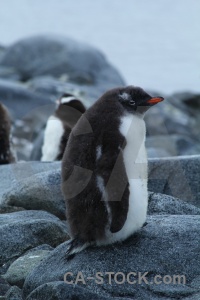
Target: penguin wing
[[112, 169]]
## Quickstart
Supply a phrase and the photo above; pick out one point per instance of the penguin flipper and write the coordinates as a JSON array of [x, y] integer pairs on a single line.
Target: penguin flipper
[[112, 170]]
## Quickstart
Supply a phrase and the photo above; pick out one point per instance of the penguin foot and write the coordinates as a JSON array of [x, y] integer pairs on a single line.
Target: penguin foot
[[75, 246]]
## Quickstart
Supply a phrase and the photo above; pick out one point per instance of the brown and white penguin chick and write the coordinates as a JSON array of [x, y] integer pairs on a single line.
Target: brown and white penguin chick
[[69, 109], [104, 170], [6, 155]]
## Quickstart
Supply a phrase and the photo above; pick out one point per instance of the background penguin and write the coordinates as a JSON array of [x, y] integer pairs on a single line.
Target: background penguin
[[111, 204], [6, 152], [69, 110]]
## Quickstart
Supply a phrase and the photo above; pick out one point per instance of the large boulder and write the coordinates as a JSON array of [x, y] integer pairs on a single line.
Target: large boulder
[[58, 56], [15, 173], [24, 230], [167, 246], [41, 192], [176, 176]]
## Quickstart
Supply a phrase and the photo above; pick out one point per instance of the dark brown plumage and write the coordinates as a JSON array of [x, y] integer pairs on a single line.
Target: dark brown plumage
[[6, 156], [87, 213]]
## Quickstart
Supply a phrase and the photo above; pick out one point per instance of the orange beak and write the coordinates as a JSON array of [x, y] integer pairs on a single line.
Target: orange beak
[[155, 100]]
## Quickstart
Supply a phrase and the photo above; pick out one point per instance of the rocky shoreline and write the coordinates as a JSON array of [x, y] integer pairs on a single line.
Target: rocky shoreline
[[33, 229]]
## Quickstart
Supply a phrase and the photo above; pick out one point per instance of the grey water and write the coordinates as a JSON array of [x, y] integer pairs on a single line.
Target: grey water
[[153, 43]]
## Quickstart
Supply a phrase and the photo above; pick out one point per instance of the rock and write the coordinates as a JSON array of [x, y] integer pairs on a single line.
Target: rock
[[10, 174], [24, 230], [20, 101], [22, 266], [177, 176], [50, 86], [41, 192], [14, 294], [9, 73], [29, 110], [58, 56], [161, 247], [4, 209], [167, 119], [4, 287], [60, 290], [160, 204], [172, 145]]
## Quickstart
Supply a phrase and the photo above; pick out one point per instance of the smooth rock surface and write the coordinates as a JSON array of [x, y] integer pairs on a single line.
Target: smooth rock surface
[[21, 231], [13, 173], [176, 176], [41, 192], [21, 267], [167, 245]]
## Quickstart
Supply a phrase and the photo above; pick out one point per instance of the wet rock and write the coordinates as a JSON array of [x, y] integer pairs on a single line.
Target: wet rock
[[161, 247], [24, 230]]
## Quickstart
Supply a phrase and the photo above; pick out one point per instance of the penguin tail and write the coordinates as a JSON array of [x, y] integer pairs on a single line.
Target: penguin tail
[[76, 245]]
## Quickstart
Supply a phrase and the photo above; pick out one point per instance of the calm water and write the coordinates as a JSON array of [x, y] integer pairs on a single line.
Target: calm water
[[154, 43]]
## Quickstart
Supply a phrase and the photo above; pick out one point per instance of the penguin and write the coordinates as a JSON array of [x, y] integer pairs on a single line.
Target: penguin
[[68, 110], [104, 170], [6, 152]]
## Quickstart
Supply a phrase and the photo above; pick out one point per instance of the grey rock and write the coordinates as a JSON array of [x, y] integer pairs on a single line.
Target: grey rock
[[194, 297], [14, 294], [20, 101], [167, 245], [22, 266], [60, 290], [172, 145], [160, 204], [4, 209], [53, 87], [9, 73], [57, 56], [24, 230], [41, 192], [29, 110], [176, 176], [13, 173], [196, 283], [4, 287]]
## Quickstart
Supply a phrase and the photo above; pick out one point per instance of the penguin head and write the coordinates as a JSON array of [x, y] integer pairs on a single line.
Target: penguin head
[[69, 109], [70, 101], [136, 100]]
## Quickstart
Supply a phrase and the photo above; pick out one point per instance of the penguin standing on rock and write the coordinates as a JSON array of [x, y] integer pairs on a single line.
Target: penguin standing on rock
[[6, 152], [104, 170], [69, 109]]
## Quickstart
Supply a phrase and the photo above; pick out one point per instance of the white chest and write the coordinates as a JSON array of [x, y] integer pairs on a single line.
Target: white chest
[[52, 136], [135, 159]]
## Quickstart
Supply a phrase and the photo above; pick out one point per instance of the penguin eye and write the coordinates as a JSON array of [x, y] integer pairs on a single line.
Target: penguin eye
[[132, 102]]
